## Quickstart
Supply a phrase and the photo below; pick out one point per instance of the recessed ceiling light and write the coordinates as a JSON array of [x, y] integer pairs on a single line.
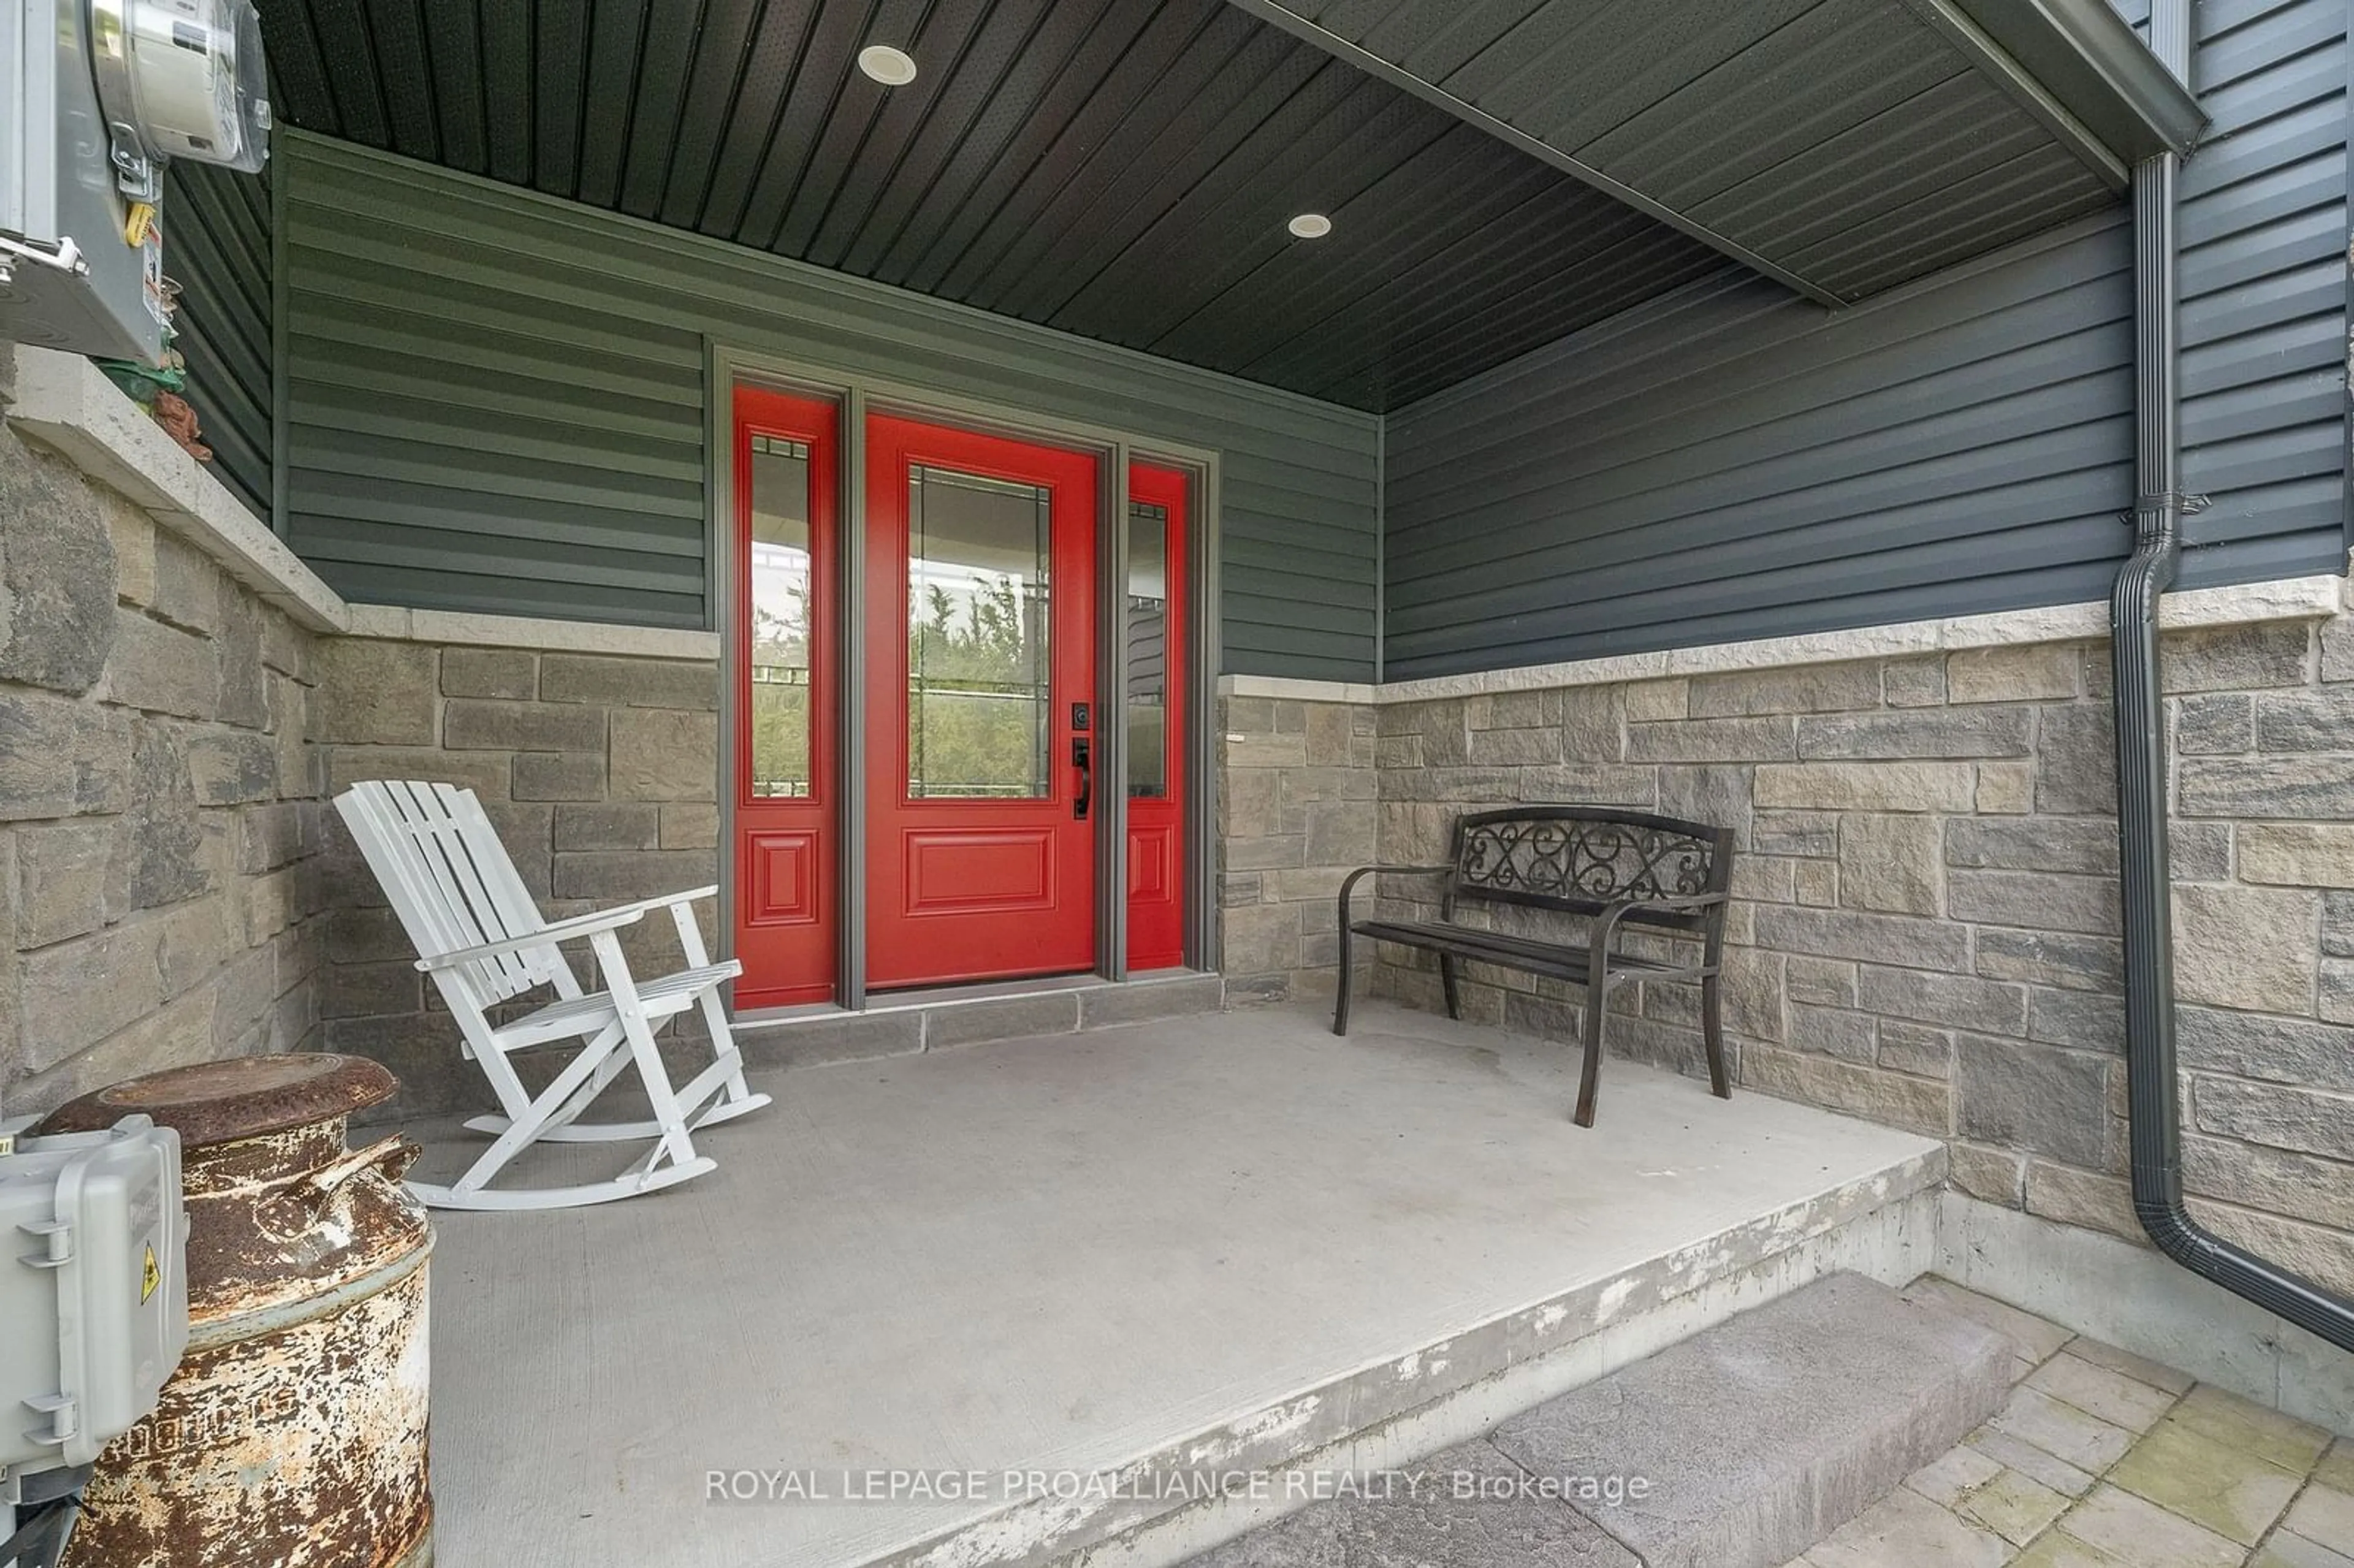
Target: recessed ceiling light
[[1311, 226], [892, 67]]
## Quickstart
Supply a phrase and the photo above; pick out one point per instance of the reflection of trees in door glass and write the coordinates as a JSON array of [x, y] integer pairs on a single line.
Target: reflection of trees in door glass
[[1148, 651], [780, 590], [977, 655]]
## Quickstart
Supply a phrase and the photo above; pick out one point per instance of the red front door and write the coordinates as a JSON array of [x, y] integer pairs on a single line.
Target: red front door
[[785, 848], [979, 664]]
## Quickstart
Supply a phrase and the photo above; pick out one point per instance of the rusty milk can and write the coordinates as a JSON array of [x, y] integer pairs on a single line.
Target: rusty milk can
[[293, 1432]]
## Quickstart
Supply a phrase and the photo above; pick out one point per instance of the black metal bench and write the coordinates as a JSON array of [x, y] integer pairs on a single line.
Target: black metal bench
[[1617, 868]]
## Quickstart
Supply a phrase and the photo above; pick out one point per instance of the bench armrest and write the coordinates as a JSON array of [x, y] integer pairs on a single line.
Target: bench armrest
[[1349, 882], [558, 931], [1606, 925]]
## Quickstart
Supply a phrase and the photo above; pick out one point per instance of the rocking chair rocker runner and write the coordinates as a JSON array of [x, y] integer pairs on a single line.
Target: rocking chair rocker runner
[[481, 937]]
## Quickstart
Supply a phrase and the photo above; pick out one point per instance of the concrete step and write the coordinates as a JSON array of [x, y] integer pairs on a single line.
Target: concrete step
[[911, 1021], [1739, 1448]]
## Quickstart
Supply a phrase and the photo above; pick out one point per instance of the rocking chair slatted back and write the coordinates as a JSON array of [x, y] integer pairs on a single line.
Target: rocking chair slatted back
[[434, 852], [1583, 859], [478, 931]]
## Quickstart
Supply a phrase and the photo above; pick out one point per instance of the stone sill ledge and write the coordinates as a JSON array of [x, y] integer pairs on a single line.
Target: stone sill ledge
[[466, 628], [1286, 688], [65, 403], [2283, 599]]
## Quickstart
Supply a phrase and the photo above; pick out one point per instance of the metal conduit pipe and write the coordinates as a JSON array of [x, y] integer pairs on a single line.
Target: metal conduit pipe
[[2155, 1106]]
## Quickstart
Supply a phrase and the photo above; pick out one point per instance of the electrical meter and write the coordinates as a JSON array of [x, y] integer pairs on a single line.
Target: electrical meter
[[95, 96], [179, 78]]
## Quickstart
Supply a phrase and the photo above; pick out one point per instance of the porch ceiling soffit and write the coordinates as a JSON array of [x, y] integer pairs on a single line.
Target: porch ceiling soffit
[[1121, 170], [1844, 147]]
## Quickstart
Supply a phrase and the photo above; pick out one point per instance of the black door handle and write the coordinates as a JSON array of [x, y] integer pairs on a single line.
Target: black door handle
[[1080, 755]]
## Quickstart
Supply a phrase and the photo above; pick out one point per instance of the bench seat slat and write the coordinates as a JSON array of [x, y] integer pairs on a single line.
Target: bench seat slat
[[1561, 960]]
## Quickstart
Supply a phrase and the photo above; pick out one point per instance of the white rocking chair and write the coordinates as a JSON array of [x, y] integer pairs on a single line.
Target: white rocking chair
[[481, 937]]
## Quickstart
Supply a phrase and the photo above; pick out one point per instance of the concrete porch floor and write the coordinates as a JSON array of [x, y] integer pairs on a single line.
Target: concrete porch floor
[[1229, 1239]]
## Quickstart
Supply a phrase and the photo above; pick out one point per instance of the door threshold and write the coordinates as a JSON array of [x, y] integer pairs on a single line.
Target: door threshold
[[905, 1023], [959, 995], [1033, 985]]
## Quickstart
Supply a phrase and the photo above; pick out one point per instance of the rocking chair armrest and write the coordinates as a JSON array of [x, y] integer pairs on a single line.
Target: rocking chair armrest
[[648, 906], [566, 931], [545, 936]]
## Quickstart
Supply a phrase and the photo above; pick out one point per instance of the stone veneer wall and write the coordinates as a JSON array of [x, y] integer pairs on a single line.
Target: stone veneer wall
[[1926, 925], [601, 772], [1924, 932], [159, 797], [1296, 814]]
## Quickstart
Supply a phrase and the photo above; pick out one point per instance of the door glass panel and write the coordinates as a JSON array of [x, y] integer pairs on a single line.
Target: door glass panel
[[781, 617], [1148, 651], [980, 714]]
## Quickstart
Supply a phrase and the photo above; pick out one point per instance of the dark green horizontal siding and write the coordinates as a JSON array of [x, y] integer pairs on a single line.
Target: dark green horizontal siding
[[216, 247], [497, 404], [1731, 463]]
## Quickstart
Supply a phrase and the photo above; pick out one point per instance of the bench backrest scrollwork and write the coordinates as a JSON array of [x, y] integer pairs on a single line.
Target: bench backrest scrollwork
[[1582, 859]]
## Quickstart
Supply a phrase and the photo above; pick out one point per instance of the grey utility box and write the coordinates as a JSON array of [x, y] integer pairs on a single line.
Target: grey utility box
[[95, 96], [93, 1289], [59, 184]]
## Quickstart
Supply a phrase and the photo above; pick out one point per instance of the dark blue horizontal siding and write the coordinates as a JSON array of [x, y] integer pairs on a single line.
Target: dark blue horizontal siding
[[497, 405], [2264, 292], [1740, 464], [1732, 464]]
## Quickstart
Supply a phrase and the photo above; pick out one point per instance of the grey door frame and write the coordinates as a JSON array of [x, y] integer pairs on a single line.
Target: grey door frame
[[855, 397]]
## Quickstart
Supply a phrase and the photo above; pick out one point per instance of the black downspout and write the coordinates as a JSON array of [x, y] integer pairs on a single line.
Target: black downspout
[[2151, 1072]]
